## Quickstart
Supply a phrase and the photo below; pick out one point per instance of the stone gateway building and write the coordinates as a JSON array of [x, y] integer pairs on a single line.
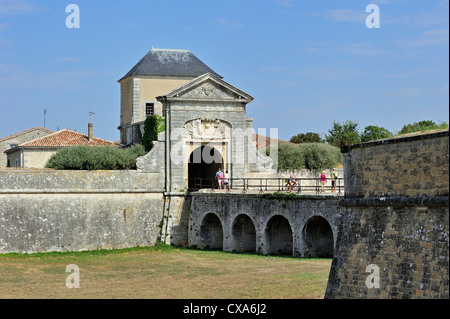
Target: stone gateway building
[[206, 123]]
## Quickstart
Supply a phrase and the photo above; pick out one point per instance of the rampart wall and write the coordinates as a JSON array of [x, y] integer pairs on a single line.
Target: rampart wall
[[47, 210], [393, 240]]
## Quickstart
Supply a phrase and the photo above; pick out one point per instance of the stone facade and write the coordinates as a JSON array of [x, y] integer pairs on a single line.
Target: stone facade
[[395, 225], [208, 111]]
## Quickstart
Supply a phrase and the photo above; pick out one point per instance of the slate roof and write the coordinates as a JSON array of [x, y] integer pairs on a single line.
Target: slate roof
[[170, 62], [64, 138]]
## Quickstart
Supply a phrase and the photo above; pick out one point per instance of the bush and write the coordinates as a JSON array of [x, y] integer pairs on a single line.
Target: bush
[[313, 156], [95, 158], [422, 126]]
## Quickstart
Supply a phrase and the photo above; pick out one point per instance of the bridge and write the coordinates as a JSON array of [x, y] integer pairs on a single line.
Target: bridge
[[301, 225]]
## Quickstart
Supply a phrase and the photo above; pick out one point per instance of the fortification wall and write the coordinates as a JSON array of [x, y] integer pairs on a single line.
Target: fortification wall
[[393, 240], [47, 210]]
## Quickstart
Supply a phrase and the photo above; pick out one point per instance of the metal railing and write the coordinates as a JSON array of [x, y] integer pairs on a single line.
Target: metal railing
[[262, 185]]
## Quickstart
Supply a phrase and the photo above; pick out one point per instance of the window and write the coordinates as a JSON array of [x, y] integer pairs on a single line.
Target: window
[[149, 109], [12, 145]]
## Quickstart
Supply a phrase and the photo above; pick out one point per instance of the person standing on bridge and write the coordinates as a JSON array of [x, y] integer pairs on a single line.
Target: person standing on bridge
[[323, 181], [334, 178], [219, 176]]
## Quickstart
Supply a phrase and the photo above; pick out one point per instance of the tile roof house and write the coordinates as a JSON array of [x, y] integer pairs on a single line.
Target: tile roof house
[[36, 153], [19, 138]]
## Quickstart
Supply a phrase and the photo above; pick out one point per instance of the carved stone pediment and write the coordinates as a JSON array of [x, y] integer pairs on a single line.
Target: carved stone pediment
[[207, 87], [207, 129], [209, 90]]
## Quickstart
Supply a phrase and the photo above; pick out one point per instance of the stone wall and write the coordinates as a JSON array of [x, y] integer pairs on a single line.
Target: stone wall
[[408, 166], [47, 210], [393, 240]]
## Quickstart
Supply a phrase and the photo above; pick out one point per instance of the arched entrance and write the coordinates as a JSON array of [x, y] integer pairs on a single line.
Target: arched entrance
[[203, 164], [318, 238], [279, 237], [244, 234], [211, 233]]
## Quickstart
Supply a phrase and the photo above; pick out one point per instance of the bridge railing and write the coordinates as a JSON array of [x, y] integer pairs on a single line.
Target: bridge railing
[[262, 185]]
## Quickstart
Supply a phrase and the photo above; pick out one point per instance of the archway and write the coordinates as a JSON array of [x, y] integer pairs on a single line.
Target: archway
[[211, 233], [279, 237], [244, 234], [318, 238], [203, 164]]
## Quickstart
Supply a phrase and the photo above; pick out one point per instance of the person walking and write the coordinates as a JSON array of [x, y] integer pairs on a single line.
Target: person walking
[[323, 181]]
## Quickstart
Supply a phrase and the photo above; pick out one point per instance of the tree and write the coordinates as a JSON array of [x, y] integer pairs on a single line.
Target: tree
[[373, 132], [306, 138], [421, 126], [343, 134]]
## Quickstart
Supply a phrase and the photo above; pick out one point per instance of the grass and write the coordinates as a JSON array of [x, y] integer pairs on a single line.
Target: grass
[[162, 272]]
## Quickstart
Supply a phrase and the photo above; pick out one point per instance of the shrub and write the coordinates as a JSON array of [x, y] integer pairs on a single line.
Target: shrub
[[422, 126], [95, 158]]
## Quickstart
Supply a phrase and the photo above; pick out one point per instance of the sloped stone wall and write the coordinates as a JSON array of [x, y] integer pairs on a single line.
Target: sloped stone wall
[[393, 239]]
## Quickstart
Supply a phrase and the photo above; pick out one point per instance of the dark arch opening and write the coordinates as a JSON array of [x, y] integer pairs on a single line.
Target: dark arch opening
[[211, 233], [244, 234], [8, 164], [279, 236], [203, 164], [318, 238]]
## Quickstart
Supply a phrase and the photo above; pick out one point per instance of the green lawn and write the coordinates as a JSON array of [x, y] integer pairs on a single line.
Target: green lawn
[[163, 272]]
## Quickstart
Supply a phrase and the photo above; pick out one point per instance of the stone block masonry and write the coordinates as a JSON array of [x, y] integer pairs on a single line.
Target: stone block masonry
[[395, 216], [47, 210]]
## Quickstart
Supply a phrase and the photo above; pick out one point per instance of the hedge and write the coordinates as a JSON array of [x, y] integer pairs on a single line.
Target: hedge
[[96, 158]]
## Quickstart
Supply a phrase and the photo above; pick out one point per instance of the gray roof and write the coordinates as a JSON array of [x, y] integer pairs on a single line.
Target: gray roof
[[169, 62]]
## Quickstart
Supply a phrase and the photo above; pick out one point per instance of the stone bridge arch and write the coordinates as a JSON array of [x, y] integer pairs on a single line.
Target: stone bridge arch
[[278, 236], [211, 232], [243, 234], [318, 237]]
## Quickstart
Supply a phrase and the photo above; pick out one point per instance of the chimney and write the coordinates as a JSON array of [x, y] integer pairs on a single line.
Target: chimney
[[90, 131]]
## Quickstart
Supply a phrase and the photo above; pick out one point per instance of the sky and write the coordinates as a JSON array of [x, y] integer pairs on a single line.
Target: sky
[[305, 63]]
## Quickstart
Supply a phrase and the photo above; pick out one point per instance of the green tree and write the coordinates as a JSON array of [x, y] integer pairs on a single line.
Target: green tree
[[309, 137], [421, 126], [153, 125], [372, 133], [343, 134]]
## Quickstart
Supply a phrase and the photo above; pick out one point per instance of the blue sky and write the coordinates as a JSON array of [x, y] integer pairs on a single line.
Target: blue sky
[[306, 63]]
